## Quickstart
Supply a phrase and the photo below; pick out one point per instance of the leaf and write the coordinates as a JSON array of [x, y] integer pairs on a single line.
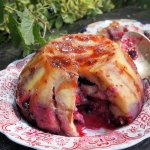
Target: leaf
[[68, 18], [107, 5], [25, 2], [90, 4], [59, 22], [26, 50], [16, 36], [51, 23], [1, 11], [26, 28], [54, 36], [20, 14], [37, 36], [14, 31], [34, 2]]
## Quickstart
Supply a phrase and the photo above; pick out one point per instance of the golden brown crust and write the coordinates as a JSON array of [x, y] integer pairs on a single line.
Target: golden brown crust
[[50, 79]]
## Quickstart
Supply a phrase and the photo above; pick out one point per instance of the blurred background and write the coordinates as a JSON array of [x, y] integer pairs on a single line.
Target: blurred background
[[29, 24]]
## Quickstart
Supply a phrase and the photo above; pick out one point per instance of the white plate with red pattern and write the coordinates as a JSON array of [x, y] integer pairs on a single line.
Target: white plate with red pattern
[[19, 131]]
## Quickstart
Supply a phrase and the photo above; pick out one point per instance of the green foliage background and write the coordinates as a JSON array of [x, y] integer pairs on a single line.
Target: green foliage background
[[28, 22]]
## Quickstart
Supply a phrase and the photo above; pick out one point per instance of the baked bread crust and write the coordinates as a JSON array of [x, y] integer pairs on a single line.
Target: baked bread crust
[[48, 85]]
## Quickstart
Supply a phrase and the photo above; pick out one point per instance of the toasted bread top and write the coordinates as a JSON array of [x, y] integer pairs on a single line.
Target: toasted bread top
[[50, 79]]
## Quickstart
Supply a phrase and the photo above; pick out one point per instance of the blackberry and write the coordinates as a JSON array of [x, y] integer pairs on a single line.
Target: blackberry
[[51, 10], [133, 54], [25, 105], [83, 29], [147, 34]]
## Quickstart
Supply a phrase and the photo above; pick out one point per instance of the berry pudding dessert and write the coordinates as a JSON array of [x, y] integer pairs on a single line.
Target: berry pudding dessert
[[115, 30], [80, 81]]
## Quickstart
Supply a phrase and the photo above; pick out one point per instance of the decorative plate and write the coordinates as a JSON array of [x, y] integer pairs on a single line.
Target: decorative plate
[[19, 131]]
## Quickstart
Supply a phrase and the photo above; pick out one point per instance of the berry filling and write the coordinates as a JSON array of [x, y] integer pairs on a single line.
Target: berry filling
[[26, 111], [93, 109], [58, 102], [115, 32]]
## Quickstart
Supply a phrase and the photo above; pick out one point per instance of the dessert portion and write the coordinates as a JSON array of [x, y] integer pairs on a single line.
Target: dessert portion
[[76, 78], [115, 31]]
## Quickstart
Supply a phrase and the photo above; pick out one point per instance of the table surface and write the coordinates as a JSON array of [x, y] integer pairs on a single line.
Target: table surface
[[8, 54]]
